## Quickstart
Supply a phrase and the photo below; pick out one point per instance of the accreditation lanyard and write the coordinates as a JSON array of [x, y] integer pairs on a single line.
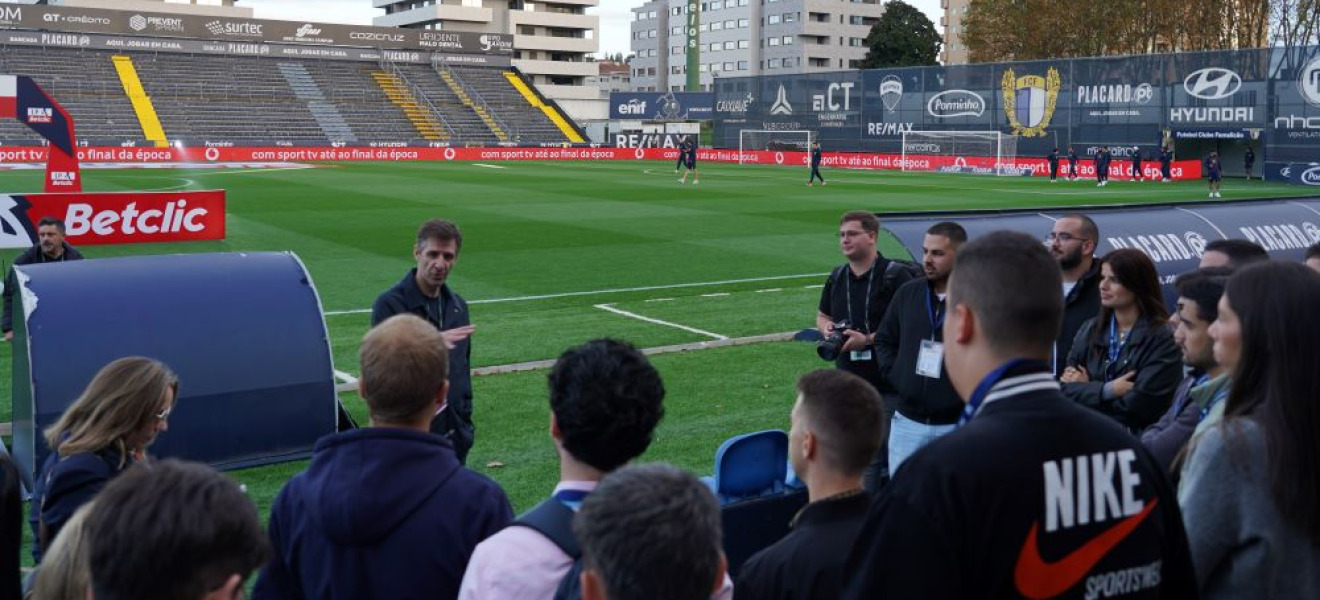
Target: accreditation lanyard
[[870, 279], [1223, 393], [1115, 347], [936, 311], [983, 389]]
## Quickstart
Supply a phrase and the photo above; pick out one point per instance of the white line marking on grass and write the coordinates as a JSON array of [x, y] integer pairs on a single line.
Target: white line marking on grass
[[610, 308], [646, 288], [814, 286], [715, 295], [488, 166], [660, 300], [769, 291]]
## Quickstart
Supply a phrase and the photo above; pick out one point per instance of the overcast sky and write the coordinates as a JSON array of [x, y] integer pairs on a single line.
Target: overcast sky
[[614, 15]]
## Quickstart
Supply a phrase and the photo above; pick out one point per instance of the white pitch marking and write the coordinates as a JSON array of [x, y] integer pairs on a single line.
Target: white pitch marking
[[610, 308], [660, 300], [715, 295], [647, 288], [769, 291], [488, 166]]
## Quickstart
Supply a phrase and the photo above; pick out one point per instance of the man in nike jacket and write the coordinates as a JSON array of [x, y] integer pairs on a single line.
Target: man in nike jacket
[[1033, 496]]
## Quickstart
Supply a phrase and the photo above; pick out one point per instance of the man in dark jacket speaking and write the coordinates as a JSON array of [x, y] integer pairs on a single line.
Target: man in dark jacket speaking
[[386, 511], [50, 247], [911, 347], [424, 292]]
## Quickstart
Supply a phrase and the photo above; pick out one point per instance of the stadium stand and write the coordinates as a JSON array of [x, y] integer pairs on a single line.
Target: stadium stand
[[264, 100]]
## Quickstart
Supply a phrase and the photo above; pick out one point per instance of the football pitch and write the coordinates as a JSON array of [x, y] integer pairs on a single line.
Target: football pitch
[[558, 253]]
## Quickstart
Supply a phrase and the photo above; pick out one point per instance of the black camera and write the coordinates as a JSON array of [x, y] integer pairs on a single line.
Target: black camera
[[829, 348]]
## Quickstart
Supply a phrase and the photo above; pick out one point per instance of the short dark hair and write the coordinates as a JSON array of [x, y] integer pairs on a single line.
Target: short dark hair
[[404, 364], [440, 230], [844, 411], [607, 400], [651, 532], [869, 222], [1090, 230], [1012, 284], [48, 220], [1239, 252], [171, 530], [1204, 287], [1313, 251], [951, 230]]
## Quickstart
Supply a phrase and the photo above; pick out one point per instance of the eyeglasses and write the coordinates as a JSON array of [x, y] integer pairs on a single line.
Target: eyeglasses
[[164, 414], [1064, 237]]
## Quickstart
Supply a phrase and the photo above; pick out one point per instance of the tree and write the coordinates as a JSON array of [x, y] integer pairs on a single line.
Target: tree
[[903, 37]]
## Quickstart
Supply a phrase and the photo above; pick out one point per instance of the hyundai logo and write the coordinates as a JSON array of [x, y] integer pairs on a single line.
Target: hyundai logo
[[1212, 83]]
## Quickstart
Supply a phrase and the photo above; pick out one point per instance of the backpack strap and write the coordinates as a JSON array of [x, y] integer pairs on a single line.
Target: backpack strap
[[555, 521]]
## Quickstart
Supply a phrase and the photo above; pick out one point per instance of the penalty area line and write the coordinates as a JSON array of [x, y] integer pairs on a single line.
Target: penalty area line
[[617, 311]]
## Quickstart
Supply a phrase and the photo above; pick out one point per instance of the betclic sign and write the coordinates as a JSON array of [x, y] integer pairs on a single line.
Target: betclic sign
[[116, 217]]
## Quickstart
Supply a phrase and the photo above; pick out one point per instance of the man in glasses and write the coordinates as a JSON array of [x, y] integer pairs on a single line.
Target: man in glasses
[[852, 304], [1072, 243]]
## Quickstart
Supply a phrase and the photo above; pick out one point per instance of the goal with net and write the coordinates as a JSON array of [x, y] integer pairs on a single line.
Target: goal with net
[[982, 152], [762, 140]]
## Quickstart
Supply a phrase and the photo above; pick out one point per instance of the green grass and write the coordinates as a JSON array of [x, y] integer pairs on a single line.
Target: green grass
[[541, 229]]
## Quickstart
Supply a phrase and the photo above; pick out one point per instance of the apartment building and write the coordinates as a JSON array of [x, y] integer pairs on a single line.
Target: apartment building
[[205, 8], [954, 51], [742, 38]]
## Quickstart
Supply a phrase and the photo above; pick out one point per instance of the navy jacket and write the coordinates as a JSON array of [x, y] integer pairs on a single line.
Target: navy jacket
[[1082, 303], [815, 157], [406, 297], [380, 513]]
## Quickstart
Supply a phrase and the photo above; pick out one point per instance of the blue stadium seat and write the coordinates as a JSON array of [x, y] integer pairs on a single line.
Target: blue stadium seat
[[750, 466]]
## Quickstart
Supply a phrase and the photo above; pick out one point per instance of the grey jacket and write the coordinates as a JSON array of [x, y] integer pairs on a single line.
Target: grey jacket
[[1241, 546]]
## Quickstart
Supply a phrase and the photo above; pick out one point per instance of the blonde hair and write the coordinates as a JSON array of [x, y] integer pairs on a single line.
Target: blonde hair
[[125, 396], [65, 573]]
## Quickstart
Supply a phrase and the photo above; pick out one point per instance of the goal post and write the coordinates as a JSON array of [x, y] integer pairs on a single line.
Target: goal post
[[764, 140], [995, 150]]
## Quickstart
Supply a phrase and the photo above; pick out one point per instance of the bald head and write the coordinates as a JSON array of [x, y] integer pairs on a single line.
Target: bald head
[[405, 365]]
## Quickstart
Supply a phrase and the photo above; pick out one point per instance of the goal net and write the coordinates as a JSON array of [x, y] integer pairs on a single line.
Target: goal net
[[761, 140], [982, 152]]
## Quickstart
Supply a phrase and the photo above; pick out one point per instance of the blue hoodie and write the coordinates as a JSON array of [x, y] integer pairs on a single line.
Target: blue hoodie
[[380, 513]]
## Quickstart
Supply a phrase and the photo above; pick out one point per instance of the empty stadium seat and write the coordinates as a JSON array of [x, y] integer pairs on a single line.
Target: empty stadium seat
[[750, 466]]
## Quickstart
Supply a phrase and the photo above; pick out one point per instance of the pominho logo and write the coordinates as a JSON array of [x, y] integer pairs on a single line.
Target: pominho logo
[[1310, 176], [956, 103]]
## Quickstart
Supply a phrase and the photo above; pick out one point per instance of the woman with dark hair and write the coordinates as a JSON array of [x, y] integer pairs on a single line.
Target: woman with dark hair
[[1124, 362], [1250, 491], [99, 436]]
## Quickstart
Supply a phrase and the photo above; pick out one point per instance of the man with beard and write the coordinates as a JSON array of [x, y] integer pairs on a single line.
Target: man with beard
[[910, 343], [1072, 243], [424, 292], [50, 247], [1199, 293]]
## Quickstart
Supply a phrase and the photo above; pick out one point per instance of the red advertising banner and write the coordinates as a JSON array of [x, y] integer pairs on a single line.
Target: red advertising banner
[[123, 217], [1182, 169]]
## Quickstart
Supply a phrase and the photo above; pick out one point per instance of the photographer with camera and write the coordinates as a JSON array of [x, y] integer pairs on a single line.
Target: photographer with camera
[[852, 304]]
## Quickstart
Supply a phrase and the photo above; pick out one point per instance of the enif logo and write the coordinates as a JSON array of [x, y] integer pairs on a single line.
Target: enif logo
[[1195, 241]]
